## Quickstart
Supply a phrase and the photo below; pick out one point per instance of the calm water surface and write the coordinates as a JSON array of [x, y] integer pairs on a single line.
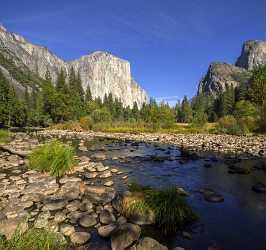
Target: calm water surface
[[238, 223]]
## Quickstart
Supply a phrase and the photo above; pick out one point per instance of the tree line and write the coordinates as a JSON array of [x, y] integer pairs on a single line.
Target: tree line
[[241, 108]]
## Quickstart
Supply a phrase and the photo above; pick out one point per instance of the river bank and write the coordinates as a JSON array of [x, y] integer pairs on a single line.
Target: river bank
[[239, 146]]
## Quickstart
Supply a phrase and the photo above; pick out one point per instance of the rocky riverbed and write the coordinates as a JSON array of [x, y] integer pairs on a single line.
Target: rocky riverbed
[[240, 146], [77, 206], [80, 206]]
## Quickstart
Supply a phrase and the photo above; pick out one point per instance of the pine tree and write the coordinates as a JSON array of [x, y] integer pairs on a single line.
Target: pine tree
[[228, 100], [186, 111], [4, 92], [61, 82], [88, 95]]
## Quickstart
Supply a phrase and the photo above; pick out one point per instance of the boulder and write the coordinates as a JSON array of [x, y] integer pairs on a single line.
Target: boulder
[[148, 243], [124, 236], [80, 238]]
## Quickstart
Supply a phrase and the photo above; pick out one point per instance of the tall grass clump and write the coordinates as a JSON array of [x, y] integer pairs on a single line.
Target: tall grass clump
[[4, 136], [33, 239], [170, 210], [54, 158]]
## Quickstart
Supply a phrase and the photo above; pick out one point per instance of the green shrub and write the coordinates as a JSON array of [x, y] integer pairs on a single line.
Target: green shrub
[[245, 109], [199, 120], [86, 122], [101, 115], [55, 158], [4, 136], [34, 239]]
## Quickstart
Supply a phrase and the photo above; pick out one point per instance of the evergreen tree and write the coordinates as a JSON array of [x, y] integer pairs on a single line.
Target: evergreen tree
[[228, 100], [4, 93], [88, 95], [61, 82], [186, 111], [257, 89]]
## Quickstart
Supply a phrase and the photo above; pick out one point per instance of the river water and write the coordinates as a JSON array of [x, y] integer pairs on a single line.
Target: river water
[[237, 223]]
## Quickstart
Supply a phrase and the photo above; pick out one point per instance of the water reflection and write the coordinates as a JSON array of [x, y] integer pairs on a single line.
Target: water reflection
[[237, 223]]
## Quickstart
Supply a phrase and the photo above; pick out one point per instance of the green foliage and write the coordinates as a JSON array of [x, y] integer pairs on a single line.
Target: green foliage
[[135, 187], [199, 120], [86, 122], [55, 158], [245, 109], [4, 136], [262, 119], [257, 87], [162, 116], [171, 210], [101, 115], [230, 125], [35, 240], [185, 113]]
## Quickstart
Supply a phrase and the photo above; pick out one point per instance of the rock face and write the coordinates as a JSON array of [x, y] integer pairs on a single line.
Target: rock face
[[253, 55], [101, 71], [221, 74]]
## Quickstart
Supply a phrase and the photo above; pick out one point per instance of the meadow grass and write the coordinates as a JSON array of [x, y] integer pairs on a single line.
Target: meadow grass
[[127, 127], [54, 157], [33, 239]]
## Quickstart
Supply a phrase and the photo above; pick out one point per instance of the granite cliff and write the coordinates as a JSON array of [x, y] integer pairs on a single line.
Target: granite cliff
[[101, 71], [221, 74]]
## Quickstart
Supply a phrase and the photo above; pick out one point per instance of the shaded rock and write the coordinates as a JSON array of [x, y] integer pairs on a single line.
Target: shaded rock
[[100, 194], [106, 217], [87, 221], [60, 217], [259, 188], [105, 231], [148, 243], [213, 197], [186, 235], [124, 236], [235, 169], [80, 238], [54, 205]]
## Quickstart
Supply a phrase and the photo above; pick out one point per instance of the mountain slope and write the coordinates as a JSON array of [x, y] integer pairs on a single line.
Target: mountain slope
[[219, 75], [101, 71]]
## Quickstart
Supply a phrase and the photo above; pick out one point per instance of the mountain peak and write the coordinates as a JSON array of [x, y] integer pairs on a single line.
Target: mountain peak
[[3, 28], [104, 73]]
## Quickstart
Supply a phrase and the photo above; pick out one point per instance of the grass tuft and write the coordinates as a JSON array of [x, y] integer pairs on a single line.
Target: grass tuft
[[33, 239], [55, 158], [171, 210]]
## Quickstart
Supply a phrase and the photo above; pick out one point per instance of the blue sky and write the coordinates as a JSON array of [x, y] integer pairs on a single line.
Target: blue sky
[[169, 43]]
